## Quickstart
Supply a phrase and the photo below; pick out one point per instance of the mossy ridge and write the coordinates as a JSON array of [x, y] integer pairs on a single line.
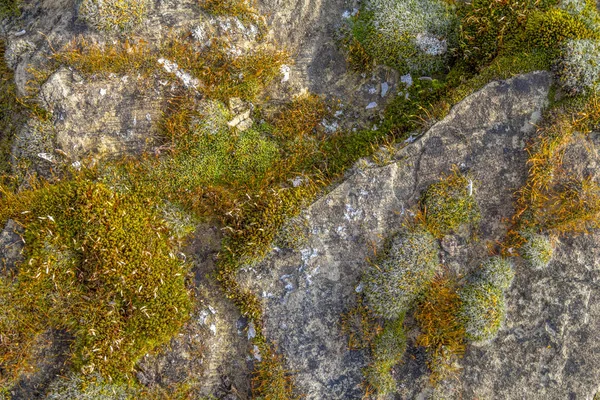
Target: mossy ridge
[[94, 271]]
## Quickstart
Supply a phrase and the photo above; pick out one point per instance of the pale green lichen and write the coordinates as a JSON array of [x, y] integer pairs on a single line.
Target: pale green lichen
[[578, 67]]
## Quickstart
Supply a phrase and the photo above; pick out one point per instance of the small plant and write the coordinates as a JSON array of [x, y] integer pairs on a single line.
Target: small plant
[[410, 35], [388, 349], [578, 67], [537, 250], [496, 271], [449, 204], [113, 15], [482, 310], [393, 284]]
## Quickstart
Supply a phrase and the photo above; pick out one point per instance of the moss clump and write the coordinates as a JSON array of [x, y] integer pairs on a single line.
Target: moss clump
[[578, 66], [549, 29], [360, 326], [496, 271], [442, 333], [537, 251], [113, 15], [388, 350], [393, 284], [410, 35], [293, 234], [9, 8], [99, 264], [482, 310], [449, 204], [271, 381]]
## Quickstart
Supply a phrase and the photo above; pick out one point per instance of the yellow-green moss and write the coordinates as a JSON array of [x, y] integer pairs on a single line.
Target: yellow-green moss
[[482, 311], [9, 8], [549, 29], [99, 264], [113, 15], [449, 204]]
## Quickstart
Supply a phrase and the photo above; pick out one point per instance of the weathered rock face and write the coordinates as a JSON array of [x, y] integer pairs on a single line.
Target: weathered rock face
[[305, 291], [11, 246]]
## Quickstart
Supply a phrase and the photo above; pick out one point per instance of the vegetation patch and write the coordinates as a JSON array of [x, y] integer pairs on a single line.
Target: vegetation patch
[[409, 35], [100, 264], [114, 15], [392, 284], [449, 204], [388, 349], [442, 333], [537, 250]]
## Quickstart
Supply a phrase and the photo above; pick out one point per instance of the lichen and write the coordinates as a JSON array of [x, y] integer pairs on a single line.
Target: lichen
[[578, 67]]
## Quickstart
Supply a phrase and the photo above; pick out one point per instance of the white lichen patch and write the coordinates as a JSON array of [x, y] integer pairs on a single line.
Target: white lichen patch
[[431, 45], [171, 67]]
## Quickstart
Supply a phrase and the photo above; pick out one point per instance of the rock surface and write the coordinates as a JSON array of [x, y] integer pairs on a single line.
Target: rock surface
[[546, 349]]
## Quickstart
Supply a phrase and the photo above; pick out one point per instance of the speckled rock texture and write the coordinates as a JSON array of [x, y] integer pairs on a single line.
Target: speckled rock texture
[[546, 348]]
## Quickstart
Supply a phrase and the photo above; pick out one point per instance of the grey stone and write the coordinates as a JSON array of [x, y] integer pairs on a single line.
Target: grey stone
[[11, 246], [483, 136]]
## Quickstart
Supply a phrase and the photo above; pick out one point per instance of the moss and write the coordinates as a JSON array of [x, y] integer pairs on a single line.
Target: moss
[[441, 330], [393, 284], [271, 381], [387, 350], [482, 311], [113, 15], [9, 8], [93, 269], [410, 35], [578, 66], [549, 29], [360, 326], [537, 250], [449, 204], [294, 234], [496, 271], [78, 387]]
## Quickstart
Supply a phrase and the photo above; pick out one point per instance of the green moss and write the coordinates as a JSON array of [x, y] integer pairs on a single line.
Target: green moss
[[99, 264], [294, 234], [9, 8], [496, 271], [393, 284], [578, 66], [482, 311], [549, 29], [387, 350], [410, 35], [113, 15], [537, 251], [450, 204]]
